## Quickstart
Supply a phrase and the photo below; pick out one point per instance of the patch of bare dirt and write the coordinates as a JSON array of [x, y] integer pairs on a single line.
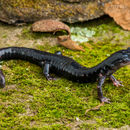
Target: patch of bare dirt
[[76, 125], [126, 127], [10, 36]]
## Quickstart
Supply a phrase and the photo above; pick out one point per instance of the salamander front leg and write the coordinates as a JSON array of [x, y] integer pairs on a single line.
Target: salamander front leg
[[99, 89], [2, 79], [46, 67], [46, 72], [115, 81]]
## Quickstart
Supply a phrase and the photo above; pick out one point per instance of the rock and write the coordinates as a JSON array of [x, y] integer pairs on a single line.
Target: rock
[[22, 11]]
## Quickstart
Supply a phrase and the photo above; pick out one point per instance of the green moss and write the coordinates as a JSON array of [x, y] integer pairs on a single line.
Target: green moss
[[27, 3], [29, 101]]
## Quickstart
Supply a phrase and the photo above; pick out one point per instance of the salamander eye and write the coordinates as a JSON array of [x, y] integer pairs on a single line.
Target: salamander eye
[[125, 56], [123, 51]]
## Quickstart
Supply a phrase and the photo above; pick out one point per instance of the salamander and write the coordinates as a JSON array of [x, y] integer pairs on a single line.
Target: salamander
[[67, 67]]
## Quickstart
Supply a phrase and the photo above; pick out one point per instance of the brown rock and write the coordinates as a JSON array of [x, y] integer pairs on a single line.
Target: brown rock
[[119, 10], [23, 11]]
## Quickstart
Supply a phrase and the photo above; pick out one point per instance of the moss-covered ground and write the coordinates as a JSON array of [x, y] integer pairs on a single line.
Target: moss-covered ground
[[29, 101]]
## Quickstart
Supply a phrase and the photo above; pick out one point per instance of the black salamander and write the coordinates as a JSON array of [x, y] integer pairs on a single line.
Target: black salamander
[[67, 67]]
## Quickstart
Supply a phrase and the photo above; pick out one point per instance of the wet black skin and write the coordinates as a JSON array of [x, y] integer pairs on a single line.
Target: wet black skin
[[67, 67]]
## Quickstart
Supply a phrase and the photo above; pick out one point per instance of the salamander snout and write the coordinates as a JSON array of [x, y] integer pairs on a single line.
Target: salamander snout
[[128, 54], [125, 57]]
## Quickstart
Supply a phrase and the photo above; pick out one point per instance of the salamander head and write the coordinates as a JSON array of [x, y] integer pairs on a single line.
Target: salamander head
[[116, 61], [122, 58]]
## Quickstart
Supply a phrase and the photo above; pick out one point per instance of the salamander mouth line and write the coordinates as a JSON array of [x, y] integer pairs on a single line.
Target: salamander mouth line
[[67, 67]]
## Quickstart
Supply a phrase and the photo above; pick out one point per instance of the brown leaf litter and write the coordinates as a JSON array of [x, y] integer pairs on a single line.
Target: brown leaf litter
[[119, 10], [54, 26], [94, 108], [50, 26], [68, 43]]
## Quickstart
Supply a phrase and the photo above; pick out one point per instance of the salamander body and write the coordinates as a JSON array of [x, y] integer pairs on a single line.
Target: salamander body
[[67, 67]]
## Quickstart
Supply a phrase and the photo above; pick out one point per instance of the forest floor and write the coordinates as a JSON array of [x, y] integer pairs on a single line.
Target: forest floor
[[29, 101]]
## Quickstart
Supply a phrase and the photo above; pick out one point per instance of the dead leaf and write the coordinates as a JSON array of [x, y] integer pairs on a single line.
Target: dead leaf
[[68, 43], [120, 11], [49, 26], [95, 108]]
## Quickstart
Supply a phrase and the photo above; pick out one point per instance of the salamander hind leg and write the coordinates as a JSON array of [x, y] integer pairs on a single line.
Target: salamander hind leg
[[115, 81], [2, 79], [46, 72], [99, 89]]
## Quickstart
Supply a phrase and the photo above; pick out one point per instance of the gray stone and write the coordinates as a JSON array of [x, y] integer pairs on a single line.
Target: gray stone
[[23, 11]]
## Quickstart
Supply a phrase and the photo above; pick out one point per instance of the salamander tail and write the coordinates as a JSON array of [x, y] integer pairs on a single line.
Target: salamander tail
[[2, 79]]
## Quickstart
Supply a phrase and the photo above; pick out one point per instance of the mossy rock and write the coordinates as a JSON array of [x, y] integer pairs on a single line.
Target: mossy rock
[[22, 11]]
